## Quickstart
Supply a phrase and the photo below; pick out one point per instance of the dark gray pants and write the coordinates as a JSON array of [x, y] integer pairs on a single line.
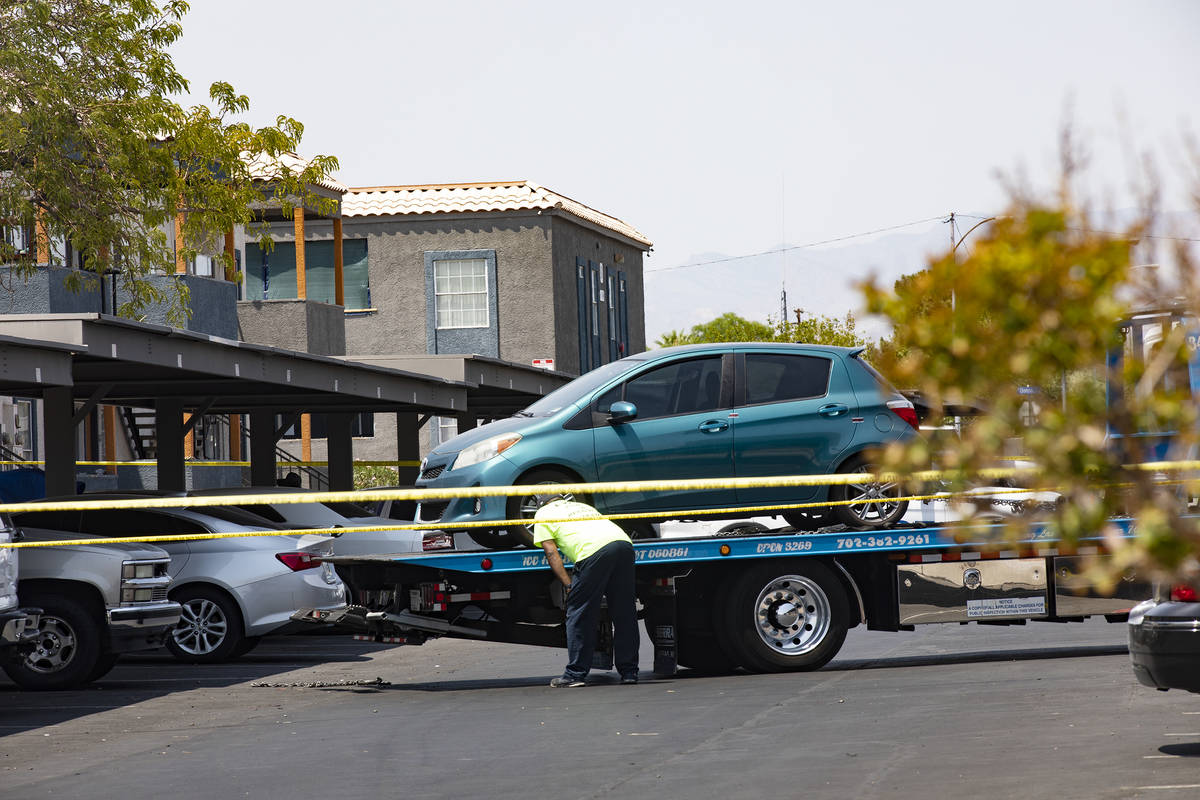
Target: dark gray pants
[[606, 573]]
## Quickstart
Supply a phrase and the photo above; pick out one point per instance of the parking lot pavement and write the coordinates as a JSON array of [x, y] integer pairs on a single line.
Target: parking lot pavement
[[1031, 711]]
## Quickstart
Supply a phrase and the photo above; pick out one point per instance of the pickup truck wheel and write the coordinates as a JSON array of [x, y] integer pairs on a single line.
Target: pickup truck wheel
[[526, 506], [210, 626], [883, 512], [68, 645], [783, 617], [104, 665]]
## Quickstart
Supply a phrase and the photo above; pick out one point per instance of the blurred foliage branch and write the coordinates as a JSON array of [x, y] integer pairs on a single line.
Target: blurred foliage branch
[[1033, 305]]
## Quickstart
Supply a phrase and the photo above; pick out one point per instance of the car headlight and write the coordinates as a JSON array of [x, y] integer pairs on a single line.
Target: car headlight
[[485, 450]]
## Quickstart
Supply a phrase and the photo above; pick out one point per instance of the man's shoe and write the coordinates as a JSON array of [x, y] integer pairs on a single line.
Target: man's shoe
[[567, 683], [629, 680]]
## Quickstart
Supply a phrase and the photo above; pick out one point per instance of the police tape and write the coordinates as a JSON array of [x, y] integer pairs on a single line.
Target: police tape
[[338, 532], [603, 487], [550, 489]]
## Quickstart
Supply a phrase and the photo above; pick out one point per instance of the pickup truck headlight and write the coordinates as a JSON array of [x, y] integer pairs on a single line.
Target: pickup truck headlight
[[485, 450]]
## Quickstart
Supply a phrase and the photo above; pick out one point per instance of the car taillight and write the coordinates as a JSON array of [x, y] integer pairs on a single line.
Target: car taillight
[[1183, 594], [299, 561], [905, 411]]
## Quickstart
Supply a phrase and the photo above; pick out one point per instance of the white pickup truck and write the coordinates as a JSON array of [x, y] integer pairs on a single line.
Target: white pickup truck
[[94, 602], [18, 626]]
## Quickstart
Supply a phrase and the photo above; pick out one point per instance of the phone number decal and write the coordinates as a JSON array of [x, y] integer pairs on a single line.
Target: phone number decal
[[897, 540]]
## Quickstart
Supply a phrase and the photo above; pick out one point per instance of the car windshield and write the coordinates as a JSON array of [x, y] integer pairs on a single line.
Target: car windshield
[[581, 387]]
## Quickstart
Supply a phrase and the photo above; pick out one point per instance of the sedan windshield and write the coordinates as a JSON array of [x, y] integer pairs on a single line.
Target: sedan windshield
[[579, 388]]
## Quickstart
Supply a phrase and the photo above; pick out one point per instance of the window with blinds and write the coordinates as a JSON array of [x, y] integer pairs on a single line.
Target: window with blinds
[[461, 293]]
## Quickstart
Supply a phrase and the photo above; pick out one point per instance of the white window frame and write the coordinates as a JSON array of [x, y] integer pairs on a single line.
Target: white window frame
[[482, 295]]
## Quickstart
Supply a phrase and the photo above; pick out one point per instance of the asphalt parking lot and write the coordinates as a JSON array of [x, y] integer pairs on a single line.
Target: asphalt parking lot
[[948, 711]]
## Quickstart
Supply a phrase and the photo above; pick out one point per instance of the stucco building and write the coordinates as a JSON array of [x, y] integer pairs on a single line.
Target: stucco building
[[509, 270]]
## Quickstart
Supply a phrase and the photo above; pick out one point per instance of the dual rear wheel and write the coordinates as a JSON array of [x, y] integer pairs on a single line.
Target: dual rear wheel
[[778, 617]]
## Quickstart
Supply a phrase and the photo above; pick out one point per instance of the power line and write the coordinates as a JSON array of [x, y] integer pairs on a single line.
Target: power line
[[799, 246], [1107, 233]]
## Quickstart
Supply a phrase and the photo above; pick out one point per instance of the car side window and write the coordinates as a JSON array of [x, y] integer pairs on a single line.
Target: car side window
[[49, 520], [128, 522], [778, 377], [681, 387]]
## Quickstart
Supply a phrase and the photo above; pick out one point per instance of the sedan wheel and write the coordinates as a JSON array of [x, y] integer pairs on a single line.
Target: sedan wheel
[[210, 627], [872, 505]]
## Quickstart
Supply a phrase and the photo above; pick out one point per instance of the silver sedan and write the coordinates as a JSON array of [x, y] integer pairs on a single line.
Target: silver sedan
[[233, 590]]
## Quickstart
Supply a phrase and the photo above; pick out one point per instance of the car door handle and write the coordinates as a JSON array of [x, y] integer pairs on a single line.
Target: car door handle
[[714, 425], [833, 410]]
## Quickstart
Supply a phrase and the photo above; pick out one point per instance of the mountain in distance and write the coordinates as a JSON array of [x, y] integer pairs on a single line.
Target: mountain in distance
[[819, 280]]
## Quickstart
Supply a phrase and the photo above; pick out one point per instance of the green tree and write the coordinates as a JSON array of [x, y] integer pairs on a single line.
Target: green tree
[[94, 150], [1039, 297], [820, 329], [730, 327]]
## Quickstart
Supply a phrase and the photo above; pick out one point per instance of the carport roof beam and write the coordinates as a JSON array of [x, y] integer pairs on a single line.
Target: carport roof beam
[[145, 361]]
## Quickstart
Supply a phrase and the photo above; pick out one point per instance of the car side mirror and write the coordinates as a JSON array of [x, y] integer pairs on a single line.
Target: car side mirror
[[621, 411]]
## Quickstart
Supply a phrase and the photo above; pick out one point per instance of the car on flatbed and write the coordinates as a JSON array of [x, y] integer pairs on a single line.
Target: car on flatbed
[[698, 411]]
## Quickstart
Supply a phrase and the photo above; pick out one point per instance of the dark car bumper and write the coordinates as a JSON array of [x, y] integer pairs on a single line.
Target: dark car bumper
[[1164, 646]]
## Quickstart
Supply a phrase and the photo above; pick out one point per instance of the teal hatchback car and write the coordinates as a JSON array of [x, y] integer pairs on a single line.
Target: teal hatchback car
[[697, 411]]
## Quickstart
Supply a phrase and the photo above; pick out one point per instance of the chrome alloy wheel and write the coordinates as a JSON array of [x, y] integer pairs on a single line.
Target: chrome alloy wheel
[[56, 646], [872, 513], [202, 627], [792, 614]]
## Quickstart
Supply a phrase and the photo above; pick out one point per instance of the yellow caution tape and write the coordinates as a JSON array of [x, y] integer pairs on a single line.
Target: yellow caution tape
[[558, 488]]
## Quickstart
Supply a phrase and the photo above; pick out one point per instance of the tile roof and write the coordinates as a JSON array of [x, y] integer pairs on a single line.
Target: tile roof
[[450, 198]]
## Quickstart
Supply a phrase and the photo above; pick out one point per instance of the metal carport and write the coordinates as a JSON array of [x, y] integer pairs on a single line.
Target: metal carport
[[95, 358]]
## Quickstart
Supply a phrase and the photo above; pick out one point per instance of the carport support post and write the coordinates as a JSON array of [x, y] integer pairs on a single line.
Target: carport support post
[[408, 446], [262, 448], [340, 448], [58, 409], [168, 440], [467, 422]]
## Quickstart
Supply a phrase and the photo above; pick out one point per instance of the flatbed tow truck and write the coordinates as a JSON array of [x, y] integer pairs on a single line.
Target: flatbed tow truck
[[764, 600]]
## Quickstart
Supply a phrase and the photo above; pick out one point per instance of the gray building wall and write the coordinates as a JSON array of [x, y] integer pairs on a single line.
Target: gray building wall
[[304, 325], [573, 242], [213, 302], [536, 307]]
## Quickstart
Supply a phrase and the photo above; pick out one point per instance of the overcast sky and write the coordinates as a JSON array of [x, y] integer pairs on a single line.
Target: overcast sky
[[717, 128]]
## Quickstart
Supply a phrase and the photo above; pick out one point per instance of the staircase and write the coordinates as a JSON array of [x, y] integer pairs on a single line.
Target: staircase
[[140, 432]]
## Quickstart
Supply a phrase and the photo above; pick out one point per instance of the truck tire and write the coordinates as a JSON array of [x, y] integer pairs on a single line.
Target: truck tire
[[69, 645], [210, 627], [104, 665], [787, 616], [867, 516], [526, 505]]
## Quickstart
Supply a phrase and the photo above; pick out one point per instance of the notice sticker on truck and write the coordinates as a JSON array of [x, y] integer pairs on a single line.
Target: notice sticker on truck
[[1007, 607]]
